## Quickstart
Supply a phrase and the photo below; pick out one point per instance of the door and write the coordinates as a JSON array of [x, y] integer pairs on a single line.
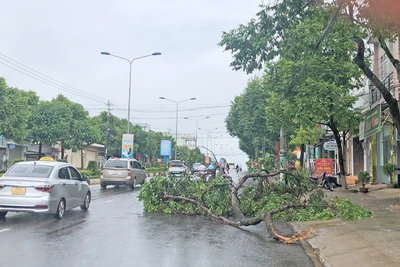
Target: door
[[78, 192], [139, 172], [67, 187]]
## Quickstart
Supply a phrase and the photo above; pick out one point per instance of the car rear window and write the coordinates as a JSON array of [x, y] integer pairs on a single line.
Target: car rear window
[[31, 171], [116, 164], [176, 163]]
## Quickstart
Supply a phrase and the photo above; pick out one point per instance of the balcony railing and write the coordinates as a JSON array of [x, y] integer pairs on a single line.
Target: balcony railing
[[374, 92]]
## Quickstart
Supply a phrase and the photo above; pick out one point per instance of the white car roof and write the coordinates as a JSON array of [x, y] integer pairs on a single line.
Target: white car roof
[[47, 163]]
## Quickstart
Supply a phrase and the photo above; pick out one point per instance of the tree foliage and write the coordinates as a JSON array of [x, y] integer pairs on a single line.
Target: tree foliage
[[247, 120], [189, 155], [307, 79], [17, 107]]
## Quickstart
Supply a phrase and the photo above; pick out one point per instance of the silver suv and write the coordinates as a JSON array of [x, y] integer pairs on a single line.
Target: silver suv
[[177, 168], [118, 171]]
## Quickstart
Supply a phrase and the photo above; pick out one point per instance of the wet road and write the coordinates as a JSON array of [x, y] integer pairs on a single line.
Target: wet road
[[116, 232]]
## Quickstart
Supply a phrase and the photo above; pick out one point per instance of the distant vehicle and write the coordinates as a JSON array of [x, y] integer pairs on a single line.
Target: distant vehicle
[[195, 167], [118, 171], [177, 167], [43, 187]]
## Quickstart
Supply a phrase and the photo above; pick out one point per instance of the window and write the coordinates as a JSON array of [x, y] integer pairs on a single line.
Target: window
[[176, 163], [63, 173], [116, 163], [384, 71], [74, 174], [137, 165], [30, 170]]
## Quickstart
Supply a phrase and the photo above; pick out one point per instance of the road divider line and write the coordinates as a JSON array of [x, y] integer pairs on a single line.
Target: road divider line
[[4, 230]]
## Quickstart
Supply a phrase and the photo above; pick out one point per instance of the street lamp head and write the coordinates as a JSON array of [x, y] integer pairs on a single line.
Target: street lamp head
[[156, 54], [207, 117], [105, 53], [161, 97], [193, 98], [186, 118]]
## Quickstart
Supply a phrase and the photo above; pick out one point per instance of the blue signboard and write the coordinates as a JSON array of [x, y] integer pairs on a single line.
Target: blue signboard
[[166, 148]]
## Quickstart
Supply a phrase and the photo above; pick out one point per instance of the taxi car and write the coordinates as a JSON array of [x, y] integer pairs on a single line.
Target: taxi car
[[43, 186]]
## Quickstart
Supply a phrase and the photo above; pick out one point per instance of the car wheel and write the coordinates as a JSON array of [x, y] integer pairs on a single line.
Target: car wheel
[[3, 214], [133, 185], [103, 186], [60, 209], [86, 202]]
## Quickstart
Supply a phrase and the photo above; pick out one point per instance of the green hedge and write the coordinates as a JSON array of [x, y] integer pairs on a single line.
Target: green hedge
[[155, 169]]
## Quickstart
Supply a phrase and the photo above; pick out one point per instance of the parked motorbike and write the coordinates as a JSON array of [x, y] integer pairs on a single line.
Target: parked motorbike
[[323, 181]]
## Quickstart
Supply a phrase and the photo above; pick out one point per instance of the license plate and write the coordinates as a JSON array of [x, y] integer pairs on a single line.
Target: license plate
[[18, 191], [114, 172]]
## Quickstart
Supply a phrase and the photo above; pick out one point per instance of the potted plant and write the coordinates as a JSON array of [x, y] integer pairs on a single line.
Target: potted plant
[[389, 169], [364, 177]]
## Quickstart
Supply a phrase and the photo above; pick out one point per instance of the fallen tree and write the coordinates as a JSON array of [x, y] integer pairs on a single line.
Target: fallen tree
[[255, 198]]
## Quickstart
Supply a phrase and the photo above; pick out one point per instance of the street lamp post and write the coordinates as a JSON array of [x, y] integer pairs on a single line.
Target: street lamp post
[[130, 76], [208, 135], [176, 123], [186, 118]]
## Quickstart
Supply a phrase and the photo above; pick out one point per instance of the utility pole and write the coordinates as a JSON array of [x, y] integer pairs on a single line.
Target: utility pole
[[108, 126]]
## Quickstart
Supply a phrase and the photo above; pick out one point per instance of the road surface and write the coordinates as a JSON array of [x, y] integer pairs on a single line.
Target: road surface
[[116, 232]]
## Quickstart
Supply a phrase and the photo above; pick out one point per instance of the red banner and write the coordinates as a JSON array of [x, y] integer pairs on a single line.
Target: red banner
[[323, 165]]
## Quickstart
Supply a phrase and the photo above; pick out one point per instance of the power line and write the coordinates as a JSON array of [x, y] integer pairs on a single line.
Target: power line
[[21, 68], [157, 110]]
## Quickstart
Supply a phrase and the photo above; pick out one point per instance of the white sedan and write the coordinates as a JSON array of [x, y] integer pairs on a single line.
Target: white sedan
[[43, 187]]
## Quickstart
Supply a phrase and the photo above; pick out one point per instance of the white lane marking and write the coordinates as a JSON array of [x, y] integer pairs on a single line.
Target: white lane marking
[[108, 201], [4, 230]]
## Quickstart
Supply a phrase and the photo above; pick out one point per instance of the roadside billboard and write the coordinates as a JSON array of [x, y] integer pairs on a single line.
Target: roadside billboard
[[166, 148], [127, 146]]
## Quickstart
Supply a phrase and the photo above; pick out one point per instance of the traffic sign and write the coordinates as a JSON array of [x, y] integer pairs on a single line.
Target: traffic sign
[[330, 146]]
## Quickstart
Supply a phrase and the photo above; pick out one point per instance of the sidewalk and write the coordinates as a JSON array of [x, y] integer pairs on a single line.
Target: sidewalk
[[367, 242]]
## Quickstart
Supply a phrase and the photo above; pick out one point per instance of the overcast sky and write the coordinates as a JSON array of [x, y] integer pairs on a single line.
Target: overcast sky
[[63, 40]]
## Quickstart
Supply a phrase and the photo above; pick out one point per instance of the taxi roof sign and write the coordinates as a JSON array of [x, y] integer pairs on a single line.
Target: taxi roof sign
[[46, 159]]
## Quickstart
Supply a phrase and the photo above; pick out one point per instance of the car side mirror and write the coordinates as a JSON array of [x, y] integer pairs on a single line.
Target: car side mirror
[[86, 179]]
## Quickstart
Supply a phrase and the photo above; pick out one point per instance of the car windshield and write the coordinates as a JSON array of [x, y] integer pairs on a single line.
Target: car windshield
[[116, 164], [29, 170]]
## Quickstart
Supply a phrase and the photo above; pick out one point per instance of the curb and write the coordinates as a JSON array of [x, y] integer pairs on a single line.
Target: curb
[[309, 250]]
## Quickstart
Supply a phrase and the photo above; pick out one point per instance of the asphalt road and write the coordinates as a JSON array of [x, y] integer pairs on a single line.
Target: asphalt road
[[116, 232]]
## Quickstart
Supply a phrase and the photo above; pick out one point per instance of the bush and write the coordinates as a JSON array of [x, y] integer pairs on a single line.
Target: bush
[[92, 167], [18, 160], [147, 165], [62, 160], [86, 172]]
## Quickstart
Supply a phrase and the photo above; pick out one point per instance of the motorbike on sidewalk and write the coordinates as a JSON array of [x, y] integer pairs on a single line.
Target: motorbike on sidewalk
[[322, 181]]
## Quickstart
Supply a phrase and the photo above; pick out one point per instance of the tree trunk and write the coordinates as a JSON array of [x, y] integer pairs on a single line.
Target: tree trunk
[[40, 150], [390, 100], [62, 149], [340, 152], [82, 157], [302, 151], [344, 148]]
